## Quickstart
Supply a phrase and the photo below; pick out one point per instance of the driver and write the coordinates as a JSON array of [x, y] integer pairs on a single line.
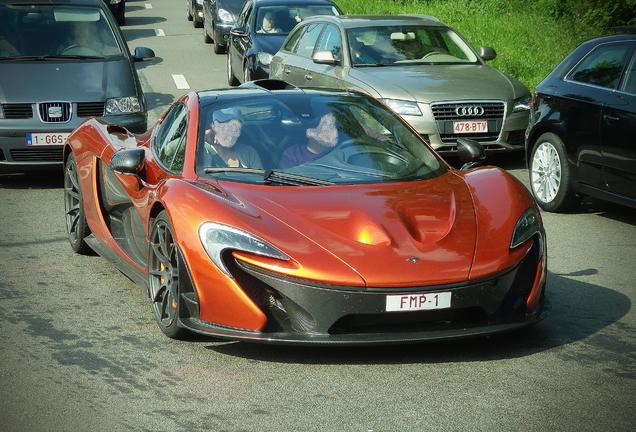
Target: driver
[[269, 24], [320, 140], [221, 148], [86, 38]]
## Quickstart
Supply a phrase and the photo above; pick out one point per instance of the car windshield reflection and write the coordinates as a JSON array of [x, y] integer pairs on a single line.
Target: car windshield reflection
[[339, 139]]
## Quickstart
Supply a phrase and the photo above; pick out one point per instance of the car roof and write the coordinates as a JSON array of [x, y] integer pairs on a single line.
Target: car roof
[[356, 21], [56, 2], [611, 38], [207, 96]]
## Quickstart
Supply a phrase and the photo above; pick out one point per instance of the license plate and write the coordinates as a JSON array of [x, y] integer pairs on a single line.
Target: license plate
[[470, 126], [48, 138], [415, 302]]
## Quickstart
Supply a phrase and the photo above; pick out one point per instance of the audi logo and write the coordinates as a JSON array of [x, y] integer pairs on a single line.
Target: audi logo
[[469, 110]]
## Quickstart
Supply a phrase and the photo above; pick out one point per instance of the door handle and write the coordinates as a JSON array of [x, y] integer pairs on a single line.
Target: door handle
[[287, 71], [610, 118], [308, 77]]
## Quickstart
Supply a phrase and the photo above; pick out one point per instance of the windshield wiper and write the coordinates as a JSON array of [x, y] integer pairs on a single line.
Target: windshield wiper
[[49, 57], [271, 176]]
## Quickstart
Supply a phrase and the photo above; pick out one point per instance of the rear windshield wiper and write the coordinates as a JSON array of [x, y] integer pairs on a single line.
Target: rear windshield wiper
[[271, 176], [50, 57]]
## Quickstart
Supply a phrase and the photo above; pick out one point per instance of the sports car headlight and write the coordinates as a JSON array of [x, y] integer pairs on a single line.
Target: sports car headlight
[[264, 58], [526, 227], [225, 16], [125, 105], [403, 107], [217, 237], [521, 104]]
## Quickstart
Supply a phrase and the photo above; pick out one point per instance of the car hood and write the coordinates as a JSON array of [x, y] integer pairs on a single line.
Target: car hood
[[268, 43], [73, 81], [393, 235], [430, 83]]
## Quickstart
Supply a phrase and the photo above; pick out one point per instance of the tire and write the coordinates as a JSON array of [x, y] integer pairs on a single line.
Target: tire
[[231, 79], [206, 37], [76, 226], [551, 174], [219, 49], [164, 277], [196, 23]]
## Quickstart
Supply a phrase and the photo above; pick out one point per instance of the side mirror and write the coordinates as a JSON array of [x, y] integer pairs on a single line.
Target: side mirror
[[143, 53], [470, 152], [129, 161], [487, 53], [238, 31], [325, 57]]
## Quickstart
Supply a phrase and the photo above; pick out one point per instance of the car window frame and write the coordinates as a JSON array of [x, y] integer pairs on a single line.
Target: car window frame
[[631, 50], [326, 25], [240, 22], [313, 51], [631, 63], [300, 30], [156, 150]]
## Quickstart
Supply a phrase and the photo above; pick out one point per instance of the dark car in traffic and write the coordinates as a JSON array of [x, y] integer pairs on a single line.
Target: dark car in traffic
[[60, 64], [581, 136], [194, 12], [118, 8], [261, 29], [219, 16]]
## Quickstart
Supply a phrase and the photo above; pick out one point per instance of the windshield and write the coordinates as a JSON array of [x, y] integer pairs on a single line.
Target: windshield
[[404, 45], [325, 138], [232, 6], [45, 30], [280, 20]]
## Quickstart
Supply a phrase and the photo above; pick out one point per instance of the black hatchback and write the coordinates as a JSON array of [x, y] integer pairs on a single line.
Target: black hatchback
[[260, 31], [581, 139], [60, 63]]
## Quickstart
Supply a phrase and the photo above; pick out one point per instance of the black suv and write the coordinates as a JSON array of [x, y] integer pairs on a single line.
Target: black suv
[[581, 139]]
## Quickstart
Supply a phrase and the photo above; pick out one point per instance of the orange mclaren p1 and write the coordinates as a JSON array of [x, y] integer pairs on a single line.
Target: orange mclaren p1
[[269, 213]]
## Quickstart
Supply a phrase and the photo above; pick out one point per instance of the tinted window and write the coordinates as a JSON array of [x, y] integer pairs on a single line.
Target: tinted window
[[602, 67], [170, 140], [404, 45], [334, 137], [282, 19], [331, 41], [308, 40], [630, 77], [293, 39], [55, 30]]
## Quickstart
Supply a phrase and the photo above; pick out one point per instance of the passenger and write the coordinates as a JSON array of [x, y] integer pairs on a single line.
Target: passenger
[[269, 24], [221, 148], [320, 140]]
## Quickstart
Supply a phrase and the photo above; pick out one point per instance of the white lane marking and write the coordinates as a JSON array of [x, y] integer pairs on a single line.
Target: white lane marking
[[159, 32], [148, 6], [180, 82]]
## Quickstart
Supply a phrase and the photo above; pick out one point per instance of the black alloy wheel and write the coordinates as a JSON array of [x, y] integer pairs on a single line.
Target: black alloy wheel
[[164, 265], [76, 226]]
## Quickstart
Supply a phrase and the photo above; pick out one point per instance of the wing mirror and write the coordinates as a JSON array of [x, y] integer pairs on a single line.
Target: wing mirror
[[129, 161], [487, 53], [143, 53], [238, 31], [470, 152], [325, 57]]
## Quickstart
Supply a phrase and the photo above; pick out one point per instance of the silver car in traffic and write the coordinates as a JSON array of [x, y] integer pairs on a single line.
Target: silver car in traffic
[[417, 65]]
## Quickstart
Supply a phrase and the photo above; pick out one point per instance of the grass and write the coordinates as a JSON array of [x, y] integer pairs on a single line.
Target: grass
[[529, 41]]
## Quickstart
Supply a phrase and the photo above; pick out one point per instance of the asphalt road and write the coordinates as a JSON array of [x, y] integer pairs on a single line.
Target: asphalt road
[[80, 351]]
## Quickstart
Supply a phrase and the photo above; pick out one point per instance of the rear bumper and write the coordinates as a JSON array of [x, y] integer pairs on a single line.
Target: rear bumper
[[301, 312], [17, 156]]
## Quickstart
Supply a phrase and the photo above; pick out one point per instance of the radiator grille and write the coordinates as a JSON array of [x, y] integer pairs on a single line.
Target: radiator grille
[[446, 113], [17, 111], [90, 109], [54, 112], [37, 154]]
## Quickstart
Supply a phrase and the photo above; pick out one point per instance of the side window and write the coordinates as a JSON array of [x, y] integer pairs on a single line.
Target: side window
[[331, 41], [308, 40], [629, 86], [170, 141], [603, 66], [242, 16], [292, 42]]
